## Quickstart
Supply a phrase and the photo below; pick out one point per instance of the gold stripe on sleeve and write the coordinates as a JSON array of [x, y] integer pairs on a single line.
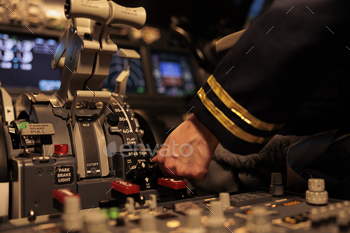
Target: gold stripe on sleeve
[[239, 110], [227, 123]]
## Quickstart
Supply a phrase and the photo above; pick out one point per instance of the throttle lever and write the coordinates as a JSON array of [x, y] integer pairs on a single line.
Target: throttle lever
[[106, 12]]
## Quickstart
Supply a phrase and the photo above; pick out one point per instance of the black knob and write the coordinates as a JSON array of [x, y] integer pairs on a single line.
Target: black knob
[[31, 216], [113, 119]]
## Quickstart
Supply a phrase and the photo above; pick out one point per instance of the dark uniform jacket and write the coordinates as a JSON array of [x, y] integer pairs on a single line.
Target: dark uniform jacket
[[288, 74]]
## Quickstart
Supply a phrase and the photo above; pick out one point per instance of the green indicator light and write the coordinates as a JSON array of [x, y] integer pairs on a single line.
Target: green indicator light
[[140, 89], [113, 213], [22, 125]]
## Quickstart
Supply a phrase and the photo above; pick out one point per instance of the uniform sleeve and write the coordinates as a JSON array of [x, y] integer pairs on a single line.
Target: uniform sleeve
[[272, 70]]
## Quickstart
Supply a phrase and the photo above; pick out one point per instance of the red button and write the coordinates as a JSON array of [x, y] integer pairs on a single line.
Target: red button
[[61, 148], [172, 183], [125, 187], [61, 194]]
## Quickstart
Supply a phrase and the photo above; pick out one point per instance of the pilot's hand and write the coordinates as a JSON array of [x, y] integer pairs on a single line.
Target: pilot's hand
[[187, 151]]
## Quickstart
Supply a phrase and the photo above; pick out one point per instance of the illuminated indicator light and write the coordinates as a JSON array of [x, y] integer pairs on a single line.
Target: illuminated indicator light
[[253, 211], [173, 224], [22, 125], [140, 89], [290, 220], [273, 206], [291, 203], [113, 213], [61, 149]]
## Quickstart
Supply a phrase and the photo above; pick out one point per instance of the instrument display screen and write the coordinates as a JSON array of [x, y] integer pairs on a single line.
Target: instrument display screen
[[173, 74], [136, 81], [25, 62]]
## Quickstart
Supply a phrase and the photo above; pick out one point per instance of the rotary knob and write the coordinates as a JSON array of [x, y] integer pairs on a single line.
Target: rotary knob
[[316, 195], [194, 224], [316, 185], [96, 222], [276, 187], [258, 221], [216, 216], [113, 119], [225, 200], [148, 223]]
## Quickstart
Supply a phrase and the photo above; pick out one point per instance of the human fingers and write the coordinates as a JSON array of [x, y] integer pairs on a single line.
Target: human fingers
[[171, 169]]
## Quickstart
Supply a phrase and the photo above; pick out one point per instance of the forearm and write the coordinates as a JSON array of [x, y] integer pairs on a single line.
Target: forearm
[[271, 71]]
